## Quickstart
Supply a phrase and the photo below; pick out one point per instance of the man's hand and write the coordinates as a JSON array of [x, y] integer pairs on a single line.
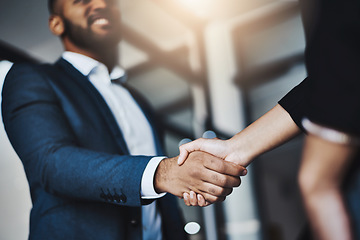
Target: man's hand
[[202, 173], [216, 147]]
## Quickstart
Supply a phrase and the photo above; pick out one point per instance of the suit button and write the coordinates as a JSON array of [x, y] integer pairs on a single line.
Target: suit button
[[117, 198], [103, 196], [123, 198], [110, 197], [134, 222]]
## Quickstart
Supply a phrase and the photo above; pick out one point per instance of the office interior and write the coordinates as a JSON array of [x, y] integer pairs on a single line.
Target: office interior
[[210, 68]]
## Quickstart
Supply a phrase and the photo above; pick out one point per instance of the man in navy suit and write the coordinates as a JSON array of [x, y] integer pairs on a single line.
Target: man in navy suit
[[89, 146]]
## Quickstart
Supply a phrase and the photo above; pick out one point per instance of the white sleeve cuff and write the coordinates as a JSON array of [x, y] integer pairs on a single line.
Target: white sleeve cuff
[[147, 181]]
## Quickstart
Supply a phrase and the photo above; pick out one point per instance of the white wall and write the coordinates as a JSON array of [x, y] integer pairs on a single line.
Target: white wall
[[15, 202]]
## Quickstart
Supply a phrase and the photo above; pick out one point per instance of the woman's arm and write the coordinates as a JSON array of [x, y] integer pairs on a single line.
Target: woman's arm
[[269, 131]]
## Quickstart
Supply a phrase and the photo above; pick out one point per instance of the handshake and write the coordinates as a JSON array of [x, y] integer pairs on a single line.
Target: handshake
[[205, 172]]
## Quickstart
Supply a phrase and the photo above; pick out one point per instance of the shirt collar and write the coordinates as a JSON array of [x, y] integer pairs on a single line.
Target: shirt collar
[[85, 64]]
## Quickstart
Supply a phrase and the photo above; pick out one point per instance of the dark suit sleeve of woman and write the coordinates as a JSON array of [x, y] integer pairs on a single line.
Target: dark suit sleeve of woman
[[333, 63], [294, 102], [331, 94]]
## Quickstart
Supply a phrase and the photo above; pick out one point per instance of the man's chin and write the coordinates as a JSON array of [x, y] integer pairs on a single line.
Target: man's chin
[[107, 37], [103, 30], [105, 41]]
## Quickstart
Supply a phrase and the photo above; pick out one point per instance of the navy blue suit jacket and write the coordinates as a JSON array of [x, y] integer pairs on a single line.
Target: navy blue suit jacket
[[83, 182]]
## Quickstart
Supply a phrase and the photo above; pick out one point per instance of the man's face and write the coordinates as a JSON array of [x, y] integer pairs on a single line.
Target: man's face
[[91, 24]]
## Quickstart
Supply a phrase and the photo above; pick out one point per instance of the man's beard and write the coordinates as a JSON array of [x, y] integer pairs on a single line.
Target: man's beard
[[87, 39]]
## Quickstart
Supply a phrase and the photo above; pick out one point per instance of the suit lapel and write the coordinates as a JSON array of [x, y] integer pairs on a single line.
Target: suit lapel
[[67, 69]]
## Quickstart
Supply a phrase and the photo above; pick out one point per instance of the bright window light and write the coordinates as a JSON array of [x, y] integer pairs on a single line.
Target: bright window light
[[200, 7]]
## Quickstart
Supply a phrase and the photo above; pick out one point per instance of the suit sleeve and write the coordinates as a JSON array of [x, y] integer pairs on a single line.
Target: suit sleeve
[[44, 141], [330, 95], [294, 102], [332, 59]]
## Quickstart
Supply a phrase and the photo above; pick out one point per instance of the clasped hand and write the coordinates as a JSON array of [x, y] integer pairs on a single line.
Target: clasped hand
[[222, 149], [201, 173]]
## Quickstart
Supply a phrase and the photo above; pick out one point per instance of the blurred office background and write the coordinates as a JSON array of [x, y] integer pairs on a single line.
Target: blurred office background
[[210, 67]]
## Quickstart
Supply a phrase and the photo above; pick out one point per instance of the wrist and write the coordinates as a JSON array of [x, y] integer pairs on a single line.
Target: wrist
[[162, 175], [239, 152], [147, 181]]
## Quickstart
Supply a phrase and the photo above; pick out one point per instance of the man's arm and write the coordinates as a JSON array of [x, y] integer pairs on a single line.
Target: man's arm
[[321, 174], [52, 156]]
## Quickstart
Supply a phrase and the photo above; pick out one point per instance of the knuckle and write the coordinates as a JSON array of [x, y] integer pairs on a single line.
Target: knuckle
[[198, 157], [193, 172], [212, 162], [221, 167], [215, 178], [212, 191], [223, 180], [223, 192]]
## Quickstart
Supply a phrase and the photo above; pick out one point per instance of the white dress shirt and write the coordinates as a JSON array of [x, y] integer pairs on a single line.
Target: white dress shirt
[[136, 130]]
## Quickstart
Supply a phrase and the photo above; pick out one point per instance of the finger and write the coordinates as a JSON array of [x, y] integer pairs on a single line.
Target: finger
[[186, 197], [210, 199], [224, 167], [182, 156], [193, 199], [187, 148], [244, 172], [220, 180], [214, 190], [201, 200]]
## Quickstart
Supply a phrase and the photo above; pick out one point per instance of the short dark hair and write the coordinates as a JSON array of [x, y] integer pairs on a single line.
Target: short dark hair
[[51, 6]]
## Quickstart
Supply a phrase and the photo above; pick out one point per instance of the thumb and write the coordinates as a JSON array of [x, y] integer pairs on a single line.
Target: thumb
[[182, 156], [187, 148]]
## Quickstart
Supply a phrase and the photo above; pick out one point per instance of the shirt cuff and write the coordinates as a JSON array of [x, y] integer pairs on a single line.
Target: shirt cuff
[[329, 134], [147, 181]]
